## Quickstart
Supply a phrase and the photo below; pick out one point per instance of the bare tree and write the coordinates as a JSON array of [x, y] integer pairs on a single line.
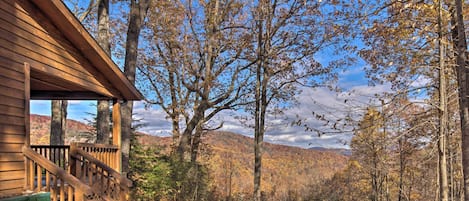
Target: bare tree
[[58, 122], [198, 67], [103, 113], [460, 44], [443, 111], [138, 13], [287, 35]]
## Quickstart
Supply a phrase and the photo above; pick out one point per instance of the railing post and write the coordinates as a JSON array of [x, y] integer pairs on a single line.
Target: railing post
[[27, 97], [79, 195], [73, 162], [123, 195], [116, 134], [26, 174]]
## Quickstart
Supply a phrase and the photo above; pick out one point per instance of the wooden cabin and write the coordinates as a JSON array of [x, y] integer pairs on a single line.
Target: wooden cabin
[[46, 54]]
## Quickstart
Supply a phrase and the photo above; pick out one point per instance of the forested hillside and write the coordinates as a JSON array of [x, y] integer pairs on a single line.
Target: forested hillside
[[40, 130], [288, 172]]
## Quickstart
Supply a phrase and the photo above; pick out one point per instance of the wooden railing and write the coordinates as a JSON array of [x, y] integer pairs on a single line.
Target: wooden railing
[[103, 152], [104, 180], [43, 175], [58, 154]]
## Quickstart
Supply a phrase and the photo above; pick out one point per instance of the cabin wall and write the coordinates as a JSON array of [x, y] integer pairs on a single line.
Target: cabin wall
[[12, 127], [26, 35]]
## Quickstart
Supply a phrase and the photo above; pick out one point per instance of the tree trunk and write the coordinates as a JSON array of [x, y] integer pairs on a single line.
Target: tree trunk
[[196, 141], [138, 12], [459, 41], [257, 132], [401, 170], [185, 140], [443, 117], [58, 122], [262, 79], [103, 113], [175, 112]]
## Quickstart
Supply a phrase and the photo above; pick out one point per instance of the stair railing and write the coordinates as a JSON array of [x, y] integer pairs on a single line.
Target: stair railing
[[104, 180], [44, 175], [106, 153]]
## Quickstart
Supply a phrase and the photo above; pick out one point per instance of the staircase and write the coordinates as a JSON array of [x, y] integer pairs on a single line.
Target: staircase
[[80, 172]]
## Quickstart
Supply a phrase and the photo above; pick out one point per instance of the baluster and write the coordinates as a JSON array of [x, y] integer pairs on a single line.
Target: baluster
[[80, 164], [70, 193], [47, 181], [122, 194], [59, 155], [113, 158], [53, 154], [98, 153], [108, 185], [53, 191], [79, 195], [67, 154], [62, 190], [90, 174], [101, 177], [62, 156], [31, 174], [49, 154], [102, 153], [106, 155]]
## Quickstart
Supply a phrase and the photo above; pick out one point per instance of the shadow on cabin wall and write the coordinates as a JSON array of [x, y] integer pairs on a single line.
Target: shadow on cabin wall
[[13, 114]]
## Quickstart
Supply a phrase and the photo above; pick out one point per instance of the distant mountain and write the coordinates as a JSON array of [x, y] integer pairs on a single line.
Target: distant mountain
[[345, 152], [285, 169], [230, 158], [40, 129]]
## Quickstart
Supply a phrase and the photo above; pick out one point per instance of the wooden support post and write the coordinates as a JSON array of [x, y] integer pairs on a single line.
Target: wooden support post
[[27, 92], [116, 133]]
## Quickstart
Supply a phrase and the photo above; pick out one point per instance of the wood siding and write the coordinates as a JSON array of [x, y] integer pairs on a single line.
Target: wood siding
[[12, 129], [26, 35]]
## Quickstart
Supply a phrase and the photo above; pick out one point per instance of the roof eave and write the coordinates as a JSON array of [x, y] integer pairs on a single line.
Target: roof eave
[[69, 25]]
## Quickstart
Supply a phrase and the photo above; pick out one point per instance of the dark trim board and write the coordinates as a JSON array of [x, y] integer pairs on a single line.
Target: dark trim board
[[66, 95]]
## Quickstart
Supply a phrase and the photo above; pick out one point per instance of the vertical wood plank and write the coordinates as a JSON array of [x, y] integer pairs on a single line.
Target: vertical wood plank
[[116, 133]]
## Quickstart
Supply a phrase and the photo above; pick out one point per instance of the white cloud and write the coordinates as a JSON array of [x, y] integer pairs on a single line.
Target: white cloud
[[78, 102]]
